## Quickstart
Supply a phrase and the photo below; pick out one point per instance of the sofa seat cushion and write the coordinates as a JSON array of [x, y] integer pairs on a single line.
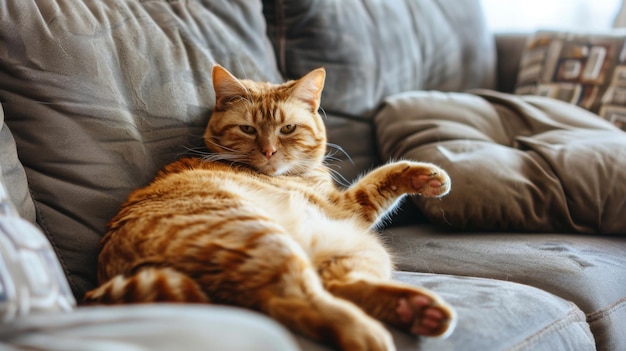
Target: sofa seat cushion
[[496, 315], [517, 163], [148, 327], [100, 94], [589, 271]]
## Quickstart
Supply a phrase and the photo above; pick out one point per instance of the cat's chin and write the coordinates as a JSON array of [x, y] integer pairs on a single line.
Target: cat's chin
[[272, 170]]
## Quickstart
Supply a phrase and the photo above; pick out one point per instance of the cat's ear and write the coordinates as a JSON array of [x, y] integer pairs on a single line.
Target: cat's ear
[[309, 88], [227, 87]]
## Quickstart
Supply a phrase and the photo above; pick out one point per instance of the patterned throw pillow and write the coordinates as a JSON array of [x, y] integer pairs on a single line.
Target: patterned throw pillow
[[31, 277], [588, 70]]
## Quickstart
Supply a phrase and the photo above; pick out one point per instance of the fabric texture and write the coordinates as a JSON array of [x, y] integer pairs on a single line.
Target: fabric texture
[[147, 328], [588, 70], [589, 271], [372, 49], [100, 94], [352, 148], [31, 278], [13, 176], [496, 315], [520, 164]]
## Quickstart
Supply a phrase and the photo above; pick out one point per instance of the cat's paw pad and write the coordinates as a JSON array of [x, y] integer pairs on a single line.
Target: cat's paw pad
[[422, 315], [427, 180]]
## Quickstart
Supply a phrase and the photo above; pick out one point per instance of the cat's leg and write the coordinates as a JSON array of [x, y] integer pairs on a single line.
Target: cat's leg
[[376, 193], [355, 266], [260, 269], [276, 277], [251, 261]]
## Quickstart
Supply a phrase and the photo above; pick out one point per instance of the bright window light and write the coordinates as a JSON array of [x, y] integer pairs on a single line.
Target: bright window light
[[532, 15]]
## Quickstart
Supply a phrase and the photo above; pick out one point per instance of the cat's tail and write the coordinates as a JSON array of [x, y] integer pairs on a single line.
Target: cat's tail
[[150, 284]]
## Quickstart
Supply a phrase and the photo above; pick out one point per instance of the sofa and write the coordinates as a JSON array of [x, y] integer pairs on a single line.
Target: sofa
[[529, 246]]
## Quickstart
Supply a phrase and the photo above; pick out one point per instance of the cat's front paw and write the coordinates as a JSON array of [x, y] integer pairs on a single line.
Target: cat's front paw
[[423, 179]]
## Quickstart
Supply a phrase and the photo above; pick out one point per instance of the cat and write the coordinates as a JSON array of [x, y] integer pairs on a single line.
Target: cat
[[259, 223]]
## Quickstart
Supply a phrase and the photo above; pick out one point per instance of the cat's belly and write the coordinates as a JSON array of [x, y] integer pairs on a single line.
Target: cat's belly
[[310, 227]]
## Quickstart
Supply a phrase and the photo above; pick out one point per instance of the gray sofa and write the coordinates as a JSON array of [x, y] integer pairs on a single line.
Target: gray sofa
[[530, 249]]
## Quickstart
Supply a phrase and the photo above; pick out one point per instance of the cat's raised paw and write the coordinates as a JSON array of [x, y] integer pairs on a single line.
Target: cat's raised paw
[[426, 179]]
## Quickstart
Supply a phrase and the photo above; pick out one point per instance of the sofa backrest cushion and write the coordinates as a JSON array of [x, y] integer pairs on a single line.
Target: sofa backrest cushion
[[100, 94], [373, 48], [530, 163]]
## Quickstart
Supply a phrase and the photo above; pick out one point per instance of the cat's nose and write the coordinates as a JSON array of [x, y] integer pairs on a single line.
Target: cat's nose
[[269, 152]]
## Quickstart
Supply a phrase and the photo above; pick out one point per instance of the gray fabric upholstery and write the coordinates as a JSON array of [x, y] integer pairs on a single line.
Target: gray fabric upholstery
[[101, 94], [356, 157], [589, 271], [372, 49], [497, 315], [147, 328]]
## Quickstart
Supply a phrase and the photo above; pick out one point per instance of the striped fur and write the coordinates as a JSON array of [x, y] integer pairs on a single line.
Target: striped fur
[[259, 223]]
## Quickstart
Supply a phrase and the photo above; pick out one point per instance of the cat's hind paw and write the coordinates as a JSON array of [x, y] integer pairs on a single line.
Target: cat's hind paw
[[409, 308], [421, 315]]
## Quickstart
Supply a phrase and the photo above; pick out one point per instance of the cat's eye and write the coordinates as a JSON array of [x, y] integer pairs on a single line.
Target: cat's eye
[[288, 129], [247, 129]]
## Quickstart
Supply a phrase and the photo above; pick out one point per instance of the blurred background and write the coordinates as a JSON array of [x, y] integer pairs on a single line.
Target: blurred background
[[532, 15]]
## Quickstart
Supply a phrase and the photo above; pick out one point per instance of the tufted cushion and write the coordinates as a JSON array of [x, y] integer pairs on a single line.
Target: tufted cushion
[[100, 94], [516, 163], [372, 49]]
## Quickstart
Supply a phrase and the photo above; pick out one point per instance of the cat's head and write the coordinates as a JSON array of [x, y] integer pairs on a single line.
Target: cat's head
[[273, 128]]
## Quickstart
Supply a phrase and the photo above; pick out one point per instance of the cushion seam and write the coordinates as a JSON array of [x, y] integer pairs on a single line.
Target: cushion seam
[[597, 315], [572, 316]]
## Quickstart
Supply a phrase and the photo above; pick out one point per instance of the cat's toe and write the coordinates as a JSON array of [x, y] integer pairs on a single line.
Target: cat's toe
[[434, 184], [422, 315]]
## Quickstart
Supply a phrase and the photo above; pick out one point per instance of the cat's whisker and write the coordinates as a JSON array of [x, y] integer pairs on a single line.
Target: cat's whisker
[[338, 177], [195, 150], [221, 146], [323, 113], [189, 150], [340, 149], [332, 158], [225, 157], [243, 69]]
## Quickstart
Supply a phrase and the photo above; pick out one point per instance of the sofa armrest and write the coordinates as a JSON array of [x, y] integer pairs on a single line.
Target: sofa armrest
[[509, 49]]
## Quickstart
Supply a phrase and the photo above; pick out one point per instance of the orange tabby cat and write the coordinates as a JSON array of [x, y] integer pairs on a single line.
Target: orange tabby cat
[[259, 223]]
